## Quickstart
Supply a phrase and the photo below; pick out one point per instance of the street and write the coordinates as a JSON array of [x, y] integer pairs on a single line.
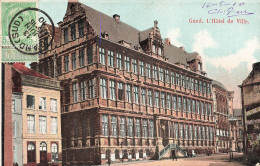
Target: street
[[213, 160]]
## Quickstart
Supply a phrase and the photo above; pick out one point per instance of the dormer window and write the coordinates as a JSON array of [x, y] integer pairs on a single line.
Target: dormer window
[[153, 49], [72, 9], [81, 28], [159, 51], [45, 43], [73, 32], [66, 35]]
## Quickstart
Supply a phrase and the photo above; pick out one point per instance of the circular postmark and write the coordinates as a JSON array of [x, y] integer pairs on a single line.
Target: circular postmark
[[24, 29]]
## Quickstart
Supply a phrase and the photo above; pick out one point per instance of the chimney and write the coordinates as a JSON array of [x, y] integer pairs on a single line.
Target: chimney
[[116, 17], [155, 24], [167, 41], [182, 48]]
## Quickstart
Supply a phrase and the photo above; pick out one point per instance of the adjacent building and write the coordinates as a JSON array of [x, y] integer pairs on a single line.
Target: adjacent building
[[237, 129], [127, 94]]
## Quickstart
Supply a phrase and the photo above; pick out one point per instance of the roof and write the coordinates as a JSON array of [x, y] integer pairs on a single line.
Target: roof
[[22, 69], [214, 82], [145, 34], [57, 33], [237, 112]]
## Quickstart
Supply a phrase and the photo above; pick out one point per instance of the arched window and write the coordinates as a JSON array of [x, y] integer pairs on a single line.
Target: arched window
[[54, 152], [154, 49], [31, 152], [160, 51], [43, 146]]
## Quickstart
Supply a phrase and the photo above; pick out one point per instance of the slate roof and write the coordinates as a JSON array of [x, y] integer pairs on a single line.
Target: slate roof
[[237, 112], [22, 69], [214, 82]]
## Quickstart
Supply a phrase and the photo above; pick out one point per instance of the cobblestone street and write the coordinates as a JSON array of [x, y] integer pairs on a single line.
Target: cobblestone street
[[213, 160]]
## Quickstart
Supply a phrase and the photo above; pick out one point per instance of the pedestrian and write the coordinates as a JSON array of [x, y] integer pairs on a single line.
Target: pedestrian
[[174, 155]]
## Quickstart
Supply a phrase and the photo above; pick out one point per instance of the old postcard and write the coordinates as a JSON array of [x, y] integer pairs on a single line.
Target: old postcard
[[134, 82]]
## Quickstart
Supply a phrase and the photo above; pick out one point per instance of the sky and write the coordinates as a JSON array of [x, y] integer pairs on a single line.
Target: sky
[[228, 50]]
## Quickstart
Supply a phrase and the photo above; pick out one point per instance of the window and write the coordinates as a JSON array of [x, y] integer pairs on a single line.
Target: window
[[143, 96], [156, 99], [54, 125], [74, 60], [120, 91], [174, 103], [14, 128], [168, 101], [163, 100], [128, 93], [187, 82], [192, 84], [209, 109], [91, 88], [184, 105], [150, 98], [59, 65], [178, 79], [209, 90], [122, 126], [137, 128], [81, 28], [199, 132], [103, 88], [211, 133], [54, 105], [161, 74], [207, 133], [66, 35], [145, 128], [73, 32], [151, 128], [190, 132], [155, 73], [204, 88], [172, 78], [179, 103], [43, 146], [193, 106], [113, 125], [206, 108], [141, 68], [119, 61], [54, 153], [15, 153], [42, 124], [182, 80], [203, 132], [112, 90], [75, 92], [66, 63], [134, 66], [189, 105], [45, 43], [159, 51], [148, 70], [30, 101], [136, 95], [186, 131], [240, 133], [181, 131], [102, 59], [90, 54], [31, 156], [198, 107], [195, 132], [167, 76], [202, 108], [153, 49], [82, 57], [196, 85], [83, 90], [130, 127], [30, 123], [200, 86], [110, 58], [105, 125], [176, 130], [127, 63], [42, 104]]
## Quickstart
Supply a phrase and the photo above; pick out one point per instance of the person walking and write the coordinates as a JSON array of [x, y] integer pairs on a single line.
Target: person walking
[[174, 155]]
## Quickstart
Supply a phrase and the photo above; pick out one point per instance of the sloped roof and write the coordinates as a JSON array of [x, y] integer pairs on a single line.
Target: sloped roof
[[21, 68], [254, 75], [145, 34], [214, 82]]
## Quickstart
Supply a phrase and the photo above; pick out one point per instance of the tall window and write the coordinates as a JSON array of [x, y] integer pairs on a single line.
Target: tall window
[[45, 43], [59, 66], [151, 128], [178, 79], [75, 92], [120, 91], [167, 76], [112, 90], [110, 58], [163, 100], [196, 85], [14, 128], [66, 35], [179, 103], [187, 82], [204, 88], [130, 127], [82, 57], [150, 98], [159, 51], [145, 128], [202, 108], [176, 130], [206, 108], [156, 99], [91, 88], [168, 101], [54, 125], [54, 105], [153, 49], [148, 70], [136, 95], [119, 61], [42, 124], [192, 84], [189, 105], [174, 103], [155, 73], [74, 60], [198, 107], [200, 86], [42, 104], [81, 28], [137, 128], [83, 90], [199, 132], [128, 93], [141, 68], [183, 80], [122, 126], [181, 131], [30, 123], [30, 101], [209, 90], [143, 96], [207, 133], [161, 74], [134, 66], [203, 132], [211, 133], [73, 32], [190, 132], [103, 88], [31, 156], [102, 58], [54, 152], [193, 106], [209, 109], [186, 131], [184, 105], [172, 78], [127, 63], [113, 125], [195, 132], [90, 54], [66, 63], [105, 125]]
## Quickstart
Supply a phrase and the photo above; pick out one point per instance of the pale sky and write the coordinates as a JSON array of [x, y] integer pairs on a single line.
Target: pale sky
[[228, 50]]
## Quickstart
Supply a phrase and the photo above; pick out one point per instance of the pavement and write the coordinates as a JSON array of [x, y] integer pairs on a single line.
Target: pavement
[[212, 160]]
